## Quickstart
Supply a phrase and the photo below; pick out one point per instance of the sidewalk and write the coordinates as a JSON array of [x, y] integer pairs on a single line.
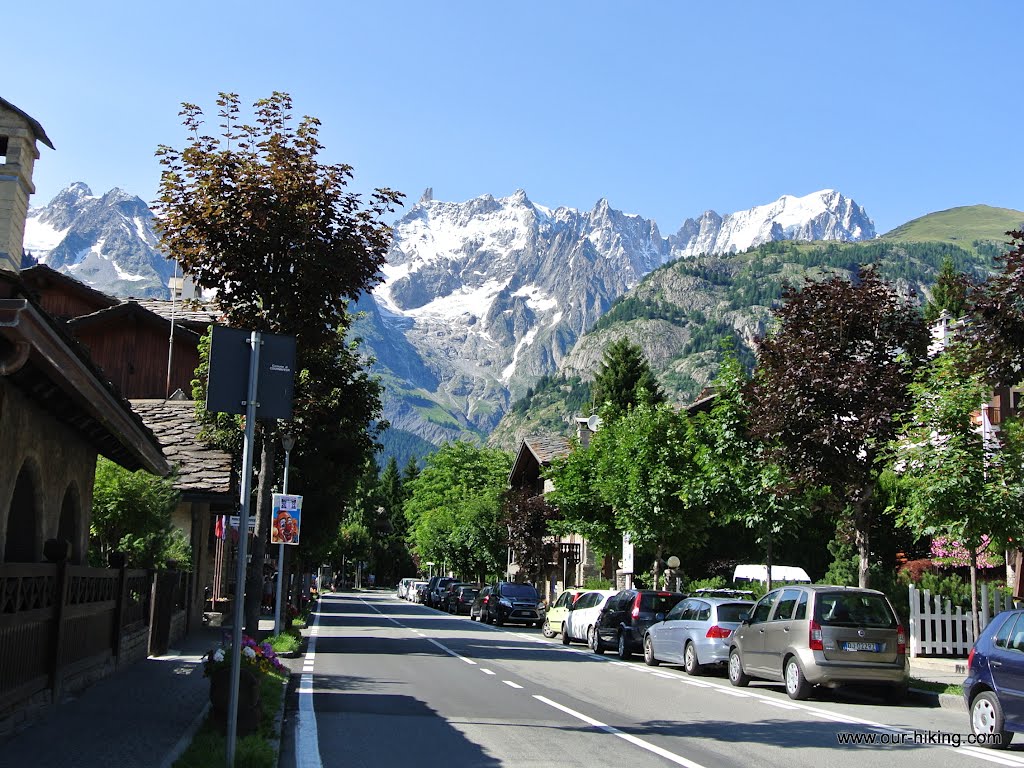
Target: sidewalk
[[142, 716]]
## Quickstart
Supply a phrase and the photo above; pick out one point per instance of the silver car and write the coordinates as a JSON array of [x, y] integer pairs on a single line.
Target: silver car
[[697, 632], [812, 634]]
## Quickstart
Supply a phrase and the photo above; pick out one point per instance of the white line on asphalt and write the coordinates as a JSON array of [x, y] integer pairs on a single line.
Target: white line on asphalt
[[307, 740], [664, 675], [993, 757], [510, 684], [486, 671], [779, 704], [672, 756], [449, 651], [728, 692]]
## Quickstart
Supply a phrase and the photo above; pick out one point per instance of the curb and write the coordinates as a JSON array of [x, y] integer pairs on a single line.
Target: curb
[[943, 700]]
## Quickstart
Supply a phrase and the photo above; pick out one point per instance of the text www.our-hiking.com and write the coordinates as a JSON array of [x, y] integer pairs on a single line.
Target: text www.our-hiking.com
[[916, 739]]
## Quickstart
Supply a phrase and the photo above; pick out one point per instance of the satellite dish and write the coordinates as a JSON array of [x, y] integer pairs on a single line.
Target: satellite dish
[[593, 423]]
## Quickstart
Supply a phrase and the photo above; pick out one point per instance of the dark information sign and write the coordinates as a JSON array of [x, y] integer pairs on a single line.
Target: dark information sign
[[228, 386]]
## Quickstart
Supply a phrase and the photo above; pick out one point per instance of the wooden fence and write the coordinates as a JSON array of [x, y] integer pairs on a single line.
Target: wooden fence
[[936, 629], [63, 626]]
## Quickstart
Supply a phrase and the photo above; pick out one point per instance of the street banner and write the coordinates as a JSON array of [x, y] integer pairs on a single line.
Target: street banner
[[287, 519], [627, 554]]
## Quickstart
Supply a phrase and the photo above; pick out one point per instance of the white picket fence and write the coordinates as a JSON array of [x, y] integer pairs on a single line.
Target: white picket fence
[[937, 630]]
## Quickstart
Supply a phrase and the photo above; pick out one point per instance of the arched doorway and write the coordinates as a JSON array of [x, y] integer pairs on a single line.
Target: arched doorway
[[67, 529], [22, 545]]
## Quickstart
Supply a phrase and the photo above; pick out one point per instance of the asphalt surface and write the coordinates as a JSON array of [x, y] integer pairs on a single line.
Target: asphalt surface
[[394, 683]]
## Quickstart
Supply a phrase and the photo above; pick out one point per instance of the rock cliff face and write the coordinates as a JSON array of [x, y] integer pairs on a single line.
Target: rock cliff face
[[107, 242], [478, 299], [493, 293]]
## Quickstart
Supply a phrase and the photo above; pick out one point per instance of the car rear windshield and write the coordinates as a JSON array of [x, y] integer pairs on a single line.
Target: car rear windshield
[[659, 602], [734, 612], [853, 609], [524, 591]]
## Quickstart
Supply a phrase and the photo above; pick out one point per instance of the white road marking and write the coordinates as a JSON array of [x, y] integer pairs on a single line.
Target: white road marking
[[510, 684], [486, 671], [450, 652], [671, 756], [307, 740]]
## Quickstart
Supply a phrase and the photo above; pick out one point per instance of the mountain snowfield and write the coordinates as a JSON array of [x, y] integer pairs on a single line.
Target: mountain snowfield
[[478, 299], [493, 293], [105, 241]]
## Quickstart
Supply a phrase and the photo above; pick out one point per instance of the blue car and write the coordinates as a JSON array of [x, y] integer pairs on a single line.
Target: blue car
[[994, 688]]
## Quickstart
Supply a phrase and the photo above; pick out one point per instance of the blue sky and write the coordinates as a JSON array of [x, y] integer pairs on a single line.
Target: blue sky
[[665, 108]]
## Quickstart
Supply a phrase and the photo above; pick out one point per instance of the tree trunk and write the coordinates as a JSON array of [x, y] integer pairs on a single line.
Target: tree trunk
[[254, 573], [975, 623], [657, 566], [862, 534]]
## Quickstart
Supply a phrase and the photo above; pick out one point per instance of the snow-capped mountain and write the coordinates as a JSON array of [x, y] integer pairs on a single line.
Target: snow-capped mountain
[[107, 242], [824, 215], [493, 293]]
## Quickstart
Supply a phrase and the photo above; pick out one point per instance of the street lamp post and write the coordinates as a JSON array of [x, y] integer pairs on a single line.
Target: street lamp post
[[288, 441]]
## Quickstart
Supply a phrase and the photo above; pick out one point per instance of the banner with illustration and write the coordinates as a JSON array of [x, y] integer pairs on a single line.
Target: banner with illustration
[[287, 519]]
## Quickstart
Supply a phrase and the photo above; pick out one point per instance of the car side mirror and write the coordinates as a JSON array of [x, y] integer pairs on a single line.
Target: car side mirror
[[659, 616]]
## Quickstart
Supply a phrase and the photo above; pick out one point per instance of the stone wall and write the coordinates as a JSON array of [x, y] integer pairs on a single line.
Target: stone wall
[[56, 458]]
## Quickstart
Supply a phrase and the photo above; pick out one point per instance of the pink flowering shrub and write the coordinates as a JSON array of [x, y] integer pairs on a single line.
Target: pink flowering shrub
[[945, 551], [256, 656]]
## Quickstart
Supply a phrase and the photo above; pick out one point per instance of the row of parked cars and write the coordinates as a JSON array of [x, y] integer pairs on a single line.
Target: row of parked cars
[[802, 635]]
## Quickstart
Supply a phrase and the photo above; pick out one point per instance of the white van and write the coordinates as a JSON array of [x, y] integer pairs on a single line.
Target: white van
[[780, 573]]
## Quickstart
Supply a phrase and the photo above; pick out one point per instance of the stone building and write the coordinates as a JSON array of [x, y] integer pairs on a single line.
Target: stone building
[[57, 410]]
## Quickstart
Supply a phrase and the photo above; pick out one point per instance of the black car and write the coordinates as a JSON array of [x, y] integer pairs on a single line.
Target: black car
[[462, 600], [511, 602], [628, 614], [436, 590], [444, 602], [476, 610]]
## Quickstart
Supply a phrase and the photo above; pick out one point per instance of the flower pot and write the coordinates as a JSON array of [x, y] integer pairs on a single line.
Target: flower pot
[[248, 698]]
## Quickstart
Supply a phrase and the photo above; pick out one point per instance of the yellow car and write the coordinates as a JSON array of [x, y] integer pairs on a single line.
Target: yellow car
[[557, 612]]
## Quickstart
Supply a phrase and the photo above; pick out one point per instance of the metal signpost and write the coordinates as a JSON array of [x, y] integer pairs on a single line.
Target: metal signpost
[[229, 392], [288, 442]]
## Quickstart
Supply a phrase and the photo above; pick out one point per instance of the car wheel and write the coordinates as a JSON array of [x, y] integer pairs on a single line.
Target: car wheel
[[565, 633], [594, 641], [796, 684], [546, 630], [499, 620], [649, 659], [987, 718], [737, 676], [690, 664], [623, 650], [471, 616]]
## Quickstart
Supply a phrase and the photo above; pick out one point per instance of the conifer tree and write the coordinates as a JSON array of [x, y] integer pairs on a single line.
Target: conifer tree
[[625, 379]]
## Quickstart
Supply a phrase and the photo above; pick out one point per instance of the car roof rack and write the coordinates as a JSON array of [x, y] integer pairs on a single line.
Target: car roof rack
[[723, 592]]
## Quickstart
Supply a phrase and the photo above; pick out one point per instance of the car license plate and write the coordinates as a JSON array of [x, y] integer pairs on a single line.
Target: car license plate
[[870, 647]]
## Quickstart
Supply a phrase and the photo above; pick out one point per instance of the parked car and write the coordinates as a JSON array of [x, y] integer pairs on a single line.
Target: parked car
[[512, 602], [624, 621], [993, 689], [403, 586], [556, 613], [419, 592], [463, 598], [445, 599], [813, 634], [435, 592], [476, 610], [697, 631], [579, 622]]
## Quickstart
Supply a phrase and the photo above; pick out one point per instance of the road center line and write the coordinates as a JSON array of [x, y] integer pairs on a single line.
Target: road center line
[[510, 684], [671, 756], [486, 671]]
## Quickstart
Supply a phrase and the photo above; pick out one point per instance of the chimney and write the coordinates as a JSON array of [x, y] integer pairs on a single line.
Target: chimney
[[18, 153], [583, 431]]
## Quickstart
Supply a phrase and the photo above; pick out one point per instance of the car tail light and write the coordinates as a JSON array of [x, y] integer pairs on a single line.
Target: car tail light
[[636, 608], [901, 640], [814, 637], [970, 658], [487, 600], [718, 633]]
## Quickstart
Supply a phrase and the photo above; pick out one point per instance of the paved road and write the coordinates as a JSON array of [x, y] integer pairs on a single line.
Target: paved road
[[396, 684]]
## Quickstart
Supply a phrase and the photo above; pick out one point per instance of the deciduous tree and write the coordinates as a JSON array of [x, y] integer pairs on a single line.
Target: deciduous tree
[[257, 217], [829, 382]]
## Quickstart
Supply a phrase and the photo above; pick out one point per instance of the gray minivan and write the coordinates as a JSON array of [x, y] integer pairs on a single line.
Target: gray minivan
[[813, 634]]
